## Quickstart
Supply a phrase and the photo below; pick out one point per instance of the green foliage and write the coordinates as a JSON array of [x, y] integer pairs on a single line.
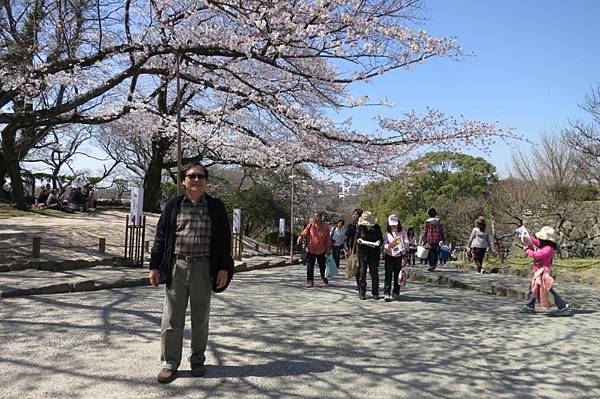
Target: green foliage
[[93, 180], [168, 190], [121, 185], [436, 179], [261, 210]]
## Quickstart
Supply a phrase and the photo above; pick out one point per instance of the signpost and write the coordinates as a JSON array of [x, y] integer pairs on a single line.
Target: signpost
[[237, 234], [135, 229], [281, 236]]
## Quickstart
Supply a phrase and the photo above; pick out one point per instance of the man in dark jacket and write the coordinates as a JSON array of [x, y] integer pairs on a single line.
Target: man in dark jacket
[[192, 255]]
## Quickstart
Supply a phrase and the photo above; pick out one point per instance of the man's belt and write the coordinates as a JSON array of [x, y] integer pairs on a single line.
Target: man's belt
[[191, 259]]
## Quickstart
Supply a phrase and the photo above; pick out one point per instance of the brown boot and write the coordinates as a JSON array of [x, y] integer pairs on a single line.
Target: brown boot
[[166, 375]]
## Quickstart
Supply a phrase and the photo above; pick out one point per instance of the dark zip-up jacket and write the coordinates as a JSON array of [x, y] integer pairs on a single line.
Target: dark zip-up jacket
[[163, 250]]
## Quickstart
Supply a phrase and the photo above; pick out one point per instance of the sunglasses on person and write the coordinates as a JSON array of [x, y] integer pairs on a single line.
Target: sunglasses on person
[[195, 176]]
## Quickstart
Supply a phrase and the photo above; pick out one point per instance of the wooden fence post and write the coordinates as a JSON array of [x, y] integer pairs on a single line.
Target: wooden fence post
[[102, 245], [37, 244]]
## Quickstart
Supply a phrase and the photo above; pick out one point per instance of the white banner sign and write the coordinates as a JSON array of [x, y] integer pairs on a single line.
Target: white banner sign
[[237, 221], [136, 207], [281, 227]]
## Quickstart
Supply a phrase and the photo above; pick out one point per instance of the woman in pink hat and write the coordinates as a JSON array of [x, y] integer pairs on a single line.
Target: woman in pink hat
[[395, 245]]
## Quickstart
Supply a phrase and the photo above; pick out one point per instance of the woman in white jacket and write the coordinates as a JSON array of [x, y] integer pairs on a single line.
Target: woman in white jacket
[[395, 245], [479, 243]]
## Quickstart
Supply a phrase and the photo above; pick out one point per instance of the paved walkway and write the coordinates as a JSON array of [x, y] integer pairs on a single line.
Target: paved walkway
[[273, 338]]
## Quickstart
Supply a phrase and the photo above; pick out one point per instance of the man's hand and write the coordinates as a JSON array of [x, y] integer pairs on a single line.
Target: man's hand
[[222, 278], [299, 240], [153, 277]]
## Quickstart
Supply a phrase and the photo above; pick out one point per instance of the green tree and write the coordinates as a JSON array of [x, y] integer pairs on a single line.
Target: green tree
[[436, 179], [261, 210]]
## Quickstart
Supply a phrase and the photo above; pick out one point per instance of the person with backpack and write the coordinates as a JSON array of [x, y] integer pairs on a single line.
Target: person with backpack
[[433, 233], [479, 243]]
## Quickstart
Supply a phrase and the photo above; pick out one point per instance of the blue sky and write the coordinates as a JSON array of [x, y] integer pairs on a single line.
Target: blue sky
[[534, 62]]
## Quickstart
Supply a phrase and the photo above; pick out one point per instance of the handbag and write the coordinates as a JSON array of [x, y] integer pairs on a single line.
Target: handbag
[[422, 252], [331, 268], [352, 264]]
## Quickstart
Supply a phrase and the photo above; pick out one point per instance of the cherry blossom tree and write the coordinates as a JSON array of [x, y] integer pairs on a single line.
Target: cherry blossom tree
[[259, 77]]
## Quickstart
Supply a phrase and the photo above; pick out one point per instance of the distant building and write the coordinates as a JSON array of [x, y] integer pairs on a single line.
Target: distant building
[[347, 189]]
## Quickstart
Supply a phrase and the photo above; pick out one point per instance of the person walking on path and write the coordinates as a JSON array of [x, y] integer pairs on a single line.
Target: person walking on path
[[433, 233], [479, 243], [338, 238], [542, 251], [351, 235], [319, 245], [192, 256], [412, 245], [395, 244], [369, 240]]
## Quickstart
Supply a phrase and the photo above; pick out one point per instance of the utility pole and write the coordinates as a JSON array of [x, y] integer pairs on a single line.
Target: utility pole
[[177, 58], [292, 176]]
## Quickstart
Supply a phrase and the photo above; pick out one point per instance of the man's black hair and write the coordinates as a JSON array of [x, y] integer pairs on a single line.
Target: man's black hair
[[358, 211], [432, 212]]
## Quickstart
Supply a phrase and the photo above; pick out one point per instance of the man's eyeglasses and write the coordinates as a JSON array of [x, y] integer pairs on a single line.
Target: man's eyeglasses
[[195, 176]]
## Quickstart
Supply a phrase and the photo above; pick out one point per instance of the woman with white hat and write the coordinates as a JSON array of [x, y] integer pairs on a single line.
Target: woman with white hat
[[369, 239], [542, 252], [395, 245]]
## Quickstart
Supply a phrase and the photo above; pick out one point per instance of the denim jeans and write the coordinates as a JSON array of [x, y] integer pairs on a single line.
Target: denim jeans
[[560, 303], [337, 254], [432, 257], [310, 266]]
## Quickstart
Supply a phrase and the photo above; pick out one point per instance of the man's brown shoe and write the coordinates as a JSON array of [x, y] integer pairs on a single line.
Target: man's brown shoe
[[199, 370], [166, 375]]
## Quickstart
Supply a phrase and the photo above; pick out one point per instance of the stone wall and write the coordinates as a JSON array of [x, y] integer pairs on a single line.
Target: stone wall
[[580, 237]]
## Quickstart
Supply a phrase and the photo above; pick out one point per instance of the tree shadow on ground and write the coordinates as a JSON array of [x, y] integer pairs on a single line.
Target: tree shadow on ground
[[272, 337]]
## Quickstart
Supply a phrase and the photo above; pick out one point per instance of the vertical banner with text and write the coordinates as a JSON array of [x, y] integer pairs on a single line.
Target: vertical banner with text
[[136, 207]]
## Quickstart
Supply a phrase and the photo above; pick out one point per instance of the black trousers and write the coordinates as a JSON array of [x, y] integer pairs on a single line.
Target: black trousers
[[393, 265], [372, 263], [478, 255], [310, 266]]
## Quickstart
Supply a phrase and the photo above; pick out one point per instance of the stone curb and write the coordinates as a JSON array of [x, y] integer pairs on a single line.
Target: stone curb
[[62, 265], [492, 288], [96, 285]]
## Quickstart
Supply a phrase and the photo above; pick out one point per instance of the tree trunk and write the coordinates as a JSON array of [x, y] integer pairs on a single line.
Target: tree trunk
[[153, 176], [13, 168]]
